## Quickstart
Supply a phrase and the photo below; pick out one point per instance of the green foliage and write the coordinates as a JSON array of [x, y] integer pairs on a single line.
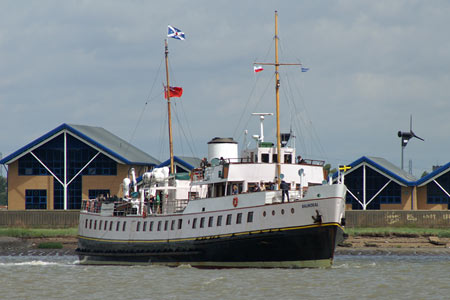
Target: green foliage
[[398, 231], [425, 173], [3, 198], [38, 232], [50, 245]]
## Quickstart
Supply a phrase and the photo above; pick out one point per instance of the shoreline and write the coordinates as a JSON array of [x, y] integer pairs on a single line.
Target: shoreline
[[353, 245]]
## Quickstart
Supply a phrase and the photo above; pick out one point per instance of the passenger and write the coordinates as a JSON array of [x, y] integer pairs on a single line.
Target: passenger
[[262, 186], [235, 190], [257, 188], [285, 190]]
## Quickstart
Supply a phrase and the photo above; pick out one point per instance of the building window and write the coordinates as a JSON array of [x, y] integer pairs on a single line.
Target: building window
[[250, 217], [435, 195], [219, 220], [93, 194], [35, 199], [228, 219], [210, 221], [239, 218]]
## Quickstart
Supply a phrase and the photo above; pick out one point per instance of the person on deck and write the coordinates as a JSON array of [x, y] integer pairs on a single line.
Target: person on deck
[[235, 190], [285, 190]]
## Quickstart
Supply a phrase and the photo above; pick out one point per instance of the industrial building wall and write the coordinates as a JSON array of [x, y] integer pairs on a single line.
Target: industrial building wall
[[18, 184]]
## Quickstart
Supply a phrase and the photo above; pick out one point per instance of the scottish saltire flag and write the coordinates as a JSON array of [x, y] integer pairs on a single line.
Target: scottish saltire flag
[[175, 33], [305, 69]]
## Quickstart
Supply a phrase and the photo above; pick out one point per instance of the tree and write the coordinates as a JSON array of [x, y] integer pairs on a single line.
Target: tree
[[3, 198]]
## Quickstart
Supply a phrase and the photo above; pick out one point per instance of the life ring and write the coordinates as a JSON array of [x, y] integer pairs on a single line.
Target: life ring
[[235, 201]]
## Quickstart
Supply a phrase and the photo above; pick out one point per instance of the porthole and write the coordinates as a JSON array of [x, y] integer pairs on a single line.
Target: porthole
[[282, 211], [273, 213], [292, 210], [264, 213]]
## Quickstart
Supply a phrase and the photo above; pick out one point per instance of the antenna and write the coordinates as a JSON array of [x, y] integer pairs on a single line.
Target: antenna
[[261, 118], [406, 136]]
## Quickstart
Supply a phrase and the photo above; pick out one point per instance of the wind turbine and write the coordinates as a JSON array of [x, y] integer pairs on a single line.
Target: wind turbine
[[406, 136]]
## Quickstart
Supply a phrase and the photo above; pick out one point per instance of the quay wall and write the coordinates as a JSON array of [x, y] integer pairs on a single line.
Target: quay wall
[[375, 218]]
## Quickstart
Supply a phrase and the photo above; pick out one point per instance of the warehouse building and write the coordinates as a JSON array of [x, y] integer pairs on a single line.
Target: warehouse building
[[374, 183], [68, 164]]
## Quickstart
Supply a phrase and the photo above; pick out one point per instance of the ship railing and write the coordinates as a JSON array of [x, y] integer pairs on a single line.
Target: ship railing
[[91, 205]]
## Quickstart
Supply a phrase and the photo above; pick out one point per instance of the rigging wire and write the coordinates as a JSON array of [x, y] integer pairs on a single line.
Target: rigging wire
[[182, 131]]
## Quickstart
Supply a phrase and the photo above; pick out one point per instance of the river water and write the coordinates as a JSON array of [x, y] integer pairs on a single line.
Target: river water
[[351, 277]]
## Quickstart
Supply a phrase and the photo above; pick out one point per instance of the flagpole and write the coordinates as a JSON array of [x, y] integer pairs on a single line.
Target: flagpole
[[168, 107]]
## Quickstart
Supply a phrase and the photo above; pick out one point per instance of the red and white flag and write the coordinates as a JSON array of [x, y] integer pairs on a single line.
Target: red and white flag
[[257, 69], [174, 92]]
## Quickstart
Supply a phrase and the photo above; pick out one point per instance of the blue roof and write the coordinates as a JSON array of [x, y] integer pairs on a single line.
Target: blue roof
[[385, 167], [102, 139], [436, 173], [187, 162]]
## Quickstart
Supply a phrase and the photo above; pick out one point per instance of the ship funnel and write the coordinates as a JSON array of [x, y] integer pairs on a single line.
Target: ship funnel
[[225, 148]]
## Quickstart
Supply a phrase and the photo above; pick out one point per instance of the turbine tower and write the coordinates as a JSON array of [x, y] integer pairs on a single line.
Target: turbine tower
[[406, 136]]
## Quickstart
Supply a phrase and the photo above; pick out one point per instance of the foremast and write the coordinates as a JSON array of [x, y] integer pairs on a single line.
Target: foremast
[[277, 93], [168, 107]]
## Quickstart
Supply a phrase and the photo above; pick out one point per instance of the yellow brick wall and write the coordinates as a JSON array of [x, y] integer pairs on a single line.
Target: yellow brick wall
[[18, 184]]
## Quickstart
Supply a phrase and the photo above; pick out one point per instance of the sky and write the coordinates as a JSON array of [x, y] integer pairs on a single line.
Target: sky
[[372, 65]]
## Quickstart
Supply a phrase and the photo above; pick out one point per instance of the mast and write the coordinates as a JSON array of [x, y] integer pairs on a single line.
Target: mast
[[168, 107], [277, 93]]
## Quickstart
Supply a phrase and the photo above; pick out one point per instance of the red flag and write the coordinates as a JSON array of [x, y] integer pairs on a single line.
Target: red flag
[[174, 92]]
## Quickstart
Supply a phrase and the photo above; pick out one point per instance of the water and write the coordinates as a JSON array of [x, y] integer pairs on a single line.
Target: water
[[351, 277]]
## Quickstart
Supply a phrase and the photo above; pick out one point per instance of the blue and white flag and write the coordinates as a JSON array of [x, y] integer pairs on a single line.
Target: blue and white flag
[[305, 69], [175, 33]]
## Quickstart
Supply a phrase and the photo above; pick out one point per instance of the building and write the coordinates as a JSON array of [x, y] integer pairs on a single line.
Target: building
[[375, 183], [68, 164]]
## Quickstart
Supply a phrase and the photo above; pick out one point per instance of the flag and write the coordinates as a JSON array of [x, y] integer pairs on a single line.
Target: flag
[[174, 92], [257, 69], [175, 33], [305, 69]]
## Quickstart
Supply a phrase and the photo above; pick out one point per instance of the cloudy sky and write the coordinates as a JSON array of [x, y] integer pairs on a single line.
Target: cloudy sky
[[100, 63]]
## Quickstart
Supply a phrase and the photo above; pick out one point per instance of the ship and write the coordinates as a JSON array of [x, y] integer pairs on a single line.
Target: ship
[[265, 207]]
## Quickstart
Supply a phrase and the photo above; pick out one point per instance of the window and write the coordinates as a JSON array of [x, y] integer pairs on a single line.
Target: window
[[228, 219], [435, 195], [250, 217], [265, 158], [151, 226], [180, 223], [117, 225], [106, 225], [100, 225], [166, 224], [111, 225], [172, 226], [90, 224], [93, 194], [138, 226], [210, 221], [95, 224], [86, 223], [35, 199], [194, 223], [144, 228], [124, 226], [202, 222], [219, 220], [159, 225], [239, 218]]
